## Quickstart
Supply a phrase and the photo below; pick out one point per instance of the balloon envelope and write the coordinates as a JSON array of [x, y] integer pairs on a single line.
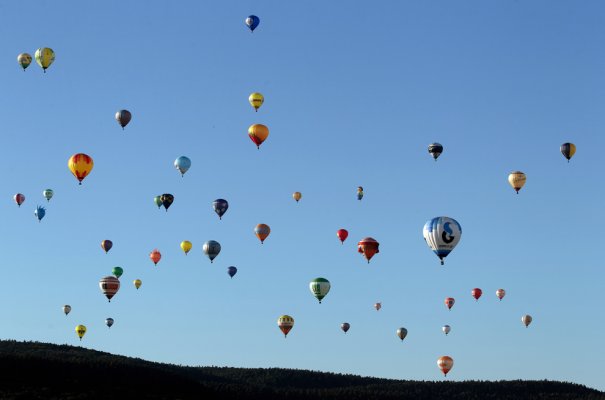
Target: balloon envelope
[[500, 293], [182, 164], [342, 234], [117, 272], [517, 180], [186, 246], [80, 166], [449, 302], [109, 322], [526, 319], [476, 293], [445, 364], [256, 100], [109, 286], [211, 248], [297, 196], [402, 333], [19, 199], [158, 201], [155, 256], [252, 22], [48, 194], [378, 306], [80, 331], [220, 207], [285, 323], [106, 245], [66, 309], [258, 134], [446, 329], [167, 200], [24, 60], [44, 57], [320, 288], [40, 212], [568, 150], [368, 247], [442, 234], [345, 326], [435, 149], [137, 283], [123, 117], [232, 271], [262, 231]]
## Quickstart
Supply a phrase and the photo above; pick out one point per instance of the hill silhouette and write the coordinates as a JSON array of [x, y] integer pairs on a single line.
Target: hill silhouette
[[33, 370]]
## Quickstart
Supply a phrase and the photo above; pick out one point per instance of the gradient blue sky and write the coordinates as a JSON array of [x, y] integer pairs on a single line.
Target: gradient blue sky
[[354, 94]]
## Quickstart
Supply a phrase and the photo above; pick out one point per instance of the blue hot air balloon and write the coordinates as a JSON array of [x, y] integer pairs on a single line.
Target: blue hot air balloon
[[40, 212], [220, 207], [252, 21], [182, 164], [211, 249], [232, 271], [442, 234]]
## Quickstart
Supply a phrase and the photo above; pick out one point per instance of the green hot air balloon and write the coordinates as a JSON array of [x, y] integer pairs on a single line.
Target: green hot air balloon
[[117, 272], [48, 194], [158, 201], [320, 288]]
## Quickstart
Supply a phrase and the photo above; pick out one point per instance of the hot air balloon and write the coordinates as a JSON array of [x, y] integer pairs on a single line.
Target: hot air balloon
[[368, 247], [445, 364], [476, 293], [106, 245], [158, 201], [320, 288], [211, 248], [80, 165], [48, 194], [117, 272], [109, 286], [262, 231], [359, 193], [449, 302], [186, 246], [402, 333], [232, 271], [24, 60], [297, 196], [137, 283], [19, 199], [258, 134], [345, 326], [252, 22], [446, 329], [517, 180], [66, 309], [167, 200], [220, 207], [285, 323], [342, 234], [109, 322], [40, 212], [80, 330], [256, 100], [182, 164], [435, 149], [155, 256], [44, 57], [442, 234], [377, 306], [526, 319], [568, 150], [500, 293], [123, 117]]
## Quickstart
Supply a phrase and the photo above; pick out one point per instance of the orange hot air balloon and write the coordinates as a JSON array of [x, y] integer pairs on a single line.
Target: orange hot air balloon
[[342, 235], [368, 247], [109, 286], [449, 302], [445, 364], [258, 134], [262, 231], [80, 165], [155, 256]]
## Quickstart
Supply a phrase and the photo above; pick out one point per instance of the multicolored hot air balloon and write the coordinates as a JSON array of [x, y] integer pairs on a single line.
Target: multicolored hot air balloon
[[80, 330], [182, 164], [500, 293], [48, 194], [517, 179], [262, 231], [109, 322], [297, 196], [359, 193], [320, 288], [258, 134], [476, 293], [158, 201], [377, 306], [106, 245], [109, 286], [137, 283], [44, 57], [342, 234], [435, 149], [167, 200], [123, 117], [66, 309], [256, 100], [526, 319], [345, 326], [442, 234], [368, 247], [252, 22], [186, 246], [80, 165], [24, 59], [211, 248], [40, 212], [568, 150], [220, 207], [402, 333], [19, 199], [445, 364], [449, 302], [155, 256], [117, 272], [446, 329], [232, 271], [285, 323]]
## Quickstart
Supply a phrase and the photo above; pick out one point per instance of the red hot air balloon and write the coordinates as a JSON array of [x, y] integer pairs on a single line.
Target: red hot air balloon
[[19, 199], [476, 292], [155, 256], [368, 247], [445, 364], [342, 235], [449, 302], [106, 245], [109, 286]]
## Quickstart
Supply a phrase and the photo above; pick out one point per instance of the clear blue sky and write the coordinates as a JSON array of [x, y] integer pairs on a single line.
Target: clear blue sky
[[353, 97]]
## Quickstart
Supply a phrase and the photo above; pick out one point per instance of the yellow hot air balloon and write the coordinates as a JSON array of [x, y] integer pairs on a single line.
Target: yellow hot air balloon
[[258, 134], [80, 165], [256, 100], [297, 196], [137, 283], [186, 246], [517, 180], [44, 57], [80, 330]]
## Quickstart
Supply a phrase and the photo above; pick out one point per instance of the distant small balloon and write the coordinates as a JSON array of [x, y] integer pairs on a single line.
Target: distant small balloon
[[500, 293], [258, 133], [40, 212], [435, 149], [19, 199], [109, 322], [256, 100], [359, 193], [24, 60], [449, 302], [342, 234], [345, 326], [117, 271], [123, 117], [182, 164], [445, 364], [158, 201], [297, 196], [285, 324], [378, 306], [517, 180], [262, 231], [402, 333], [45, 56], [568, 150], [109, 286], [232, 271], [446, 329], [106, 245], [137, 283], [66, 309], [220, 207], [48, 194], [167, 200], [211, 248], [80, 331], [320, 288], [368, 247], [252, 22], [526, 319], [186, 246], [476, 293], [155, 256]]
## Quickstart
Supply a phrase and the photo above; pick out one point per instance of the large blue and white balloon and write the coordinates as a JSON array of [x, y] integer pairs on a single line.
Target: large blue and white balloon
[[182, 164], [252, 22], [442, 234]]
